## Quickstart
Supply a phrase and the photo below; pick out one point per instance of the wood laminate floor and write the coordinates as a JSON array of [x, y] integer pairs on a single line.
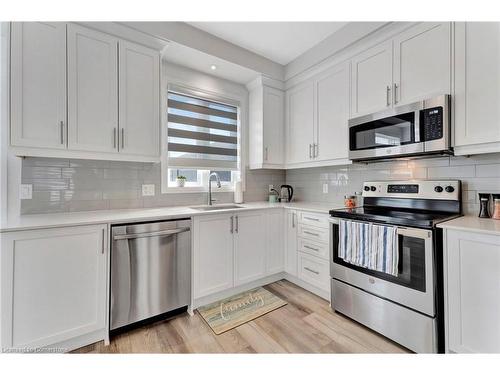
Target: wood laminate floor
[[305, 325]]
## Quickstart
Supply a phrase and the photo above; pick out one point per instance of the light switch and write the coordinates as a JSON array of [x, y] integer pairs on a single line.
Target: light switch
[[325, 188], [26, 191], [148, 190]]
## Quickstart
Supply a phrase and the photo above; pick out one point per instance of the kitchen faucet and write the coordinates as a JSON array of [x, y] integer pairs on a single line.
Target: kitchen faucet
[[210, 200]]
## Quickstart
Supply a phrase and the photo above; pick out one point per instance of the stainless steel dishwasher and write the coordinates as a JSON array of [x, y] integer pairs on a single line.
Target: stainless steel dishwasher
[[150, 270]]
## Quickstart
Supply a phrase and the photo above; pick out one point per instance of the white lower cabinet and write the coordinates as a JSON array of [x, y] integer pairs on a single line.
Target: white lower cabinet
[[53, 287], [249, 246], [291, 242], [235, 249], [213, 254], [472, 292], [314, 271]]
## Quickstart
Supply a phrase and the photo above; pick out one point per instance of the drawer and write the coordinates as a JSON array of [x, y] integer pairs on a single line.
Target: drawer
[[314, 233], [318, 249], [317, 220], [314, 271]]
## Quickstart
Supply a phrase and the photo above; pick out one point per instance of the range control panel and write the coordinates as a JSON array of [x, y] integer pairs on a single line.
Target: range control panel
[[425, 189]]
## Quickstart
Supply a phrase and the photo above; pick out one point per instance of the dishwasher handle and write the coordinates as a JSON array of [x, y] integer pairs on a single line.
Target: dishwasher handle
[[161, 233]]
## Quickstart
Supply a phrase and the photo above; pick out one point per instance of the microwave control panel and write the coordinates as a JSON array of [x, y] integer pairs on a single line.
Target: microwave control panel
[[433, 123]]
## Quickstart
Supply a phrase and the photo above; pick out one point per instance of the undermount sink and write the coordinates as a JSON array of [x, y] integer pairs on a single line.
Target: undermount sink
[[217, 207]]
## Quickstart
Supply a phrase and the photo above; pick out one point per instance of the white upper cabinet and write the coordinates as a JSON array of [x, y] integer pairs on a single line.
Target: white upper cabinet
[[92, 90], [38, 84], [300, 122], [372, 80], [139, 83], [477, 87], [274, 126], [422, 62], [332, 106], [267, 126]]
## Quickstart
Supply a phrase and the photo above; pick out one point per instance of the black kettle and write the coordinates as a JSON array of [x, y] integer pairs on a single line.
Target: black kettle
[[286, 193]]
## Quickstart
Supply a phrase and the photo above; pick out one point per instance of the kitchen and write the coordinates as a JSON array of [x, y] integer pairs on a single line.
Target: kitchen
[[187, 187]]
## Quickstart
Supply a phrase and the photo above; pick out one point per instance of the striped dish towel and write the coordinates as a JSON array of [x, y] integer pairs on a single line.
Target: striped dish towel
[[369, 246]]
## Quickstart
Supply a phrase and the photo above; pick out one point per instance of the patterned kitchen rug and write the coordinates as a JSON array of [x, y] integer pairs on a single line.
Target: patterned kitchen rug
[[232, 312]]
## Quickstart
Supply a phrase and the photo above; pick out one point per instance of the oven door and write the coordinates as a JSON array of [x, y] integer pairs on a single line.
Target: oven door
[[414, 285], [386, 134]]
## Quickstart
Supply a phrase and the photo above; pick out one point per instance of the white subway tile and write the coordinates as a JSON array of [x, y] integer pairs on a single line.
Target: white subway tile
[[451, 172]]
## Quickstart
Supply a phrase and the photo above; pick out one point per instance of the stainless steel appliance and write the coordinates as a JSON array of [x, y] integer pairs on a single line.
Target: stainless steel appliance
[[406, 307], [150, 270], [420, 128], [286, 194]]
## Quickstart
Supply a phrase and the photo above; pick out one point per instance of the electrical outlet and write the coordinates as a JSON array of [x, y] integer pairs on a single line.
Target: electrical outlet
[[325, 188], [26, 191], [271, 187], [148, 190]]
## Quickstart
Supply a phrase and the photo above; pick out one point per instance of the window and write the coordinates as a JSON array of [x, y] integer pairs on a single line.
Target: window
[[203, 137]]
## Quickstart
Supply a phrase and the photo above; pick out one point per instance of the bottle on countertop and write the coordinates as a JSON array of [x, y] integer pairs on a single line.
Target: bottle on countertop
[[484, 203], [496, 206]]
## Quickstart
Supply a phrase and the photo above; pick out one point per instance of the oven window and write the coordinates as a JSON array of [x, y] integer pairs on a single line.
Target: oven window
[[411, 267], [391, 131]]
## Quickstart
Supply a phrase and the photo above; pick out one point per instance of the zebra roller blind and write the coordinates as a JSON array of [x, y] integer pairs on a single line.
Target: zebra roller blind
[[202, 134]]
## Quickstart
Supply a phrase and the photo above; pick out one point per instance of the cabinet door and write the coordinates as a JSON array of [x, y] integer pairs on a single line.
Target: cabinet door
[[332, 106], [473, 292], [139, 100], [53, 285], [38, 84], [477, 85], [249, 247], [213, 254], [274, 126], [291, 242], [300, 119], [372, 80], [92, 90], [422, 62], [275, 242]]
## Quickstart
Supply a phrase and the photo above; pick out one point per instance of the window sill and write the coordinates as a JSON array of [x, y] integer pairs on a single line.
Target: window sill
[[187, 190]]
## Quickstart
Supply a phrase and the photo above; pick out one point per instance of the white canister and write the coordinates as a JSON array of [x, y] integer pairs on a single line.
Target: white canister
[[238, 192]]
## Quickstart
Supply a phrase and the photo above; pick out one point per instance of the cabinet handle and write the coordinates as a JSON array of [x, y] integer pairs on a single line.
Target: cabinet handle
[[315, 150], [122, 146], [311, 233], [237, 224], [103, 235], [310, 270], [294, 215], [311, 218], [266, 154], [311, 248], [62, 132], [310, 151], [388, 95], [232, 225], [114, 137], [395, 93]]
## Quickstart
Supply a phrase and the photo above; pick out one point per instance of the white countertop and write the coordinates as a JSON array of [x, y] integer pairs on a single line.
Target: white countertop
[[473, 224], [25, 222]]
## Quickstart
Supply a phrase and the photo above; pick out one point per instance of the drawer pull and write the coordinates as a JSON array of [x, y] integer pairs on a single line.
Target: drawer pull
[[311, 248], [311, 218], [311, 233], [310, 270]]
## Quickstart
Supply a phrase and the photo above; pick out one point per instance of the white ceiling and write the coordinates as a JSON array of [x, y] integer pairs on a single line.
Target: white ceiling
[[280, 42], [182, 55]]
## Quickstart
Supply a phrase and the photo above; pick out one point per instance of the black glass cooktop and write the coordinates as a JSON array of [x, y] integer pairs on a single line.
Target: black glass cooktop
[[384, 215]]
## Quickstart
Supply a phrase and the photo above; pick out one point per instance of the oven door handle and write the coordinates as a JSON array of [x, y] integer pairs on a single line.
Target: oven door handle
[[416, 233]]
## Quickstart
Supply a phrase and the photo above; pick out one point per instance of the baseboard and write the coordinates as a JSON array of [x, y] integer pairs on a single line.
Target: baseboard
[[77, 342]]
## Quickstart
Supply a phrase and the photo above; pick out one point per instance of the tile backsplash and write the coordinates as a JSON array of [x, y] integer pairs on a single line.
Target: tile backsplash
[[63, 185], [478, 174]]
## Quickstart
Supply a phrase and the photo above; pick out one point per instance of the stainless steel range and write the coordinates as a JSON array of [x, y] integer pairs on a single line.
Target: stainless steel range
[[386, 260]]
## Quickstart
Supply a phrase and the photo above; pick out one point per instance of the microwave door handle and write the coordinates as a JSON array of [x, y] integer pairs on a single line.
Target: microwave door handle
[[417, 126]]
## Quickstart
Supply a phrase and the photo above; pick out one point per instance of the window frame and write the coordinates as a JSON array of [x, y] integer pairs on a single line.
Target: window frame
[[222, 96]]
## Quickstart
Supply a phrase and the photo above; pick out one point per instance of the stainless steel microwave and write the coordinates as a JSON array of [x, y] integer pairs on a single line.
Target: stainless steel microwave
[[414, 129]]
